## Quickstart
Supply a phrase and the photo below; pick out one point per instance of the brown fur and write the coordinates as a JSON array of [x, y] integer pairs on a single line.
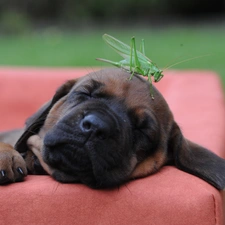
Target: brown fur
[[146, 136]]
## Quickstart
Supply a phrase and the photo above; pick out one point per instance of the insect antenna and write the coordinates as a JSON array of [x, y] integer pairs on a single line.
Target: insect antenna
[[174, 60], [185, 60]]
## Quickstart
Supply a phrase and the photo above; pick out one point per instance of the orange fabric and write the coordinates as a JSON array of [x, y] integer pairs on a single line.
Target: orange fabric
[[169, 197]]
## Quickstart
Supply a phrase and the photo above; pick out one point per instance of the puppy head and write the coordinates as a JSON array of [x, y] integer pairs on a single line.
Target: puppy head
[[103, 129]]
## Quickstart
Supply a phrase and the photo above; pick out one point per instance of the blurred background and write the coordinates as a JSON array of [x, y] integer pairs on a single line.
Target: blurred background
[[67, 33]]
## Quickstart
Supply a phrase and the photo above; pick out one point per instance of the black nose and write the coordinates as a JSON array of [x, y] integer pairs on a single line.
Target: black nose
[[96, 124]]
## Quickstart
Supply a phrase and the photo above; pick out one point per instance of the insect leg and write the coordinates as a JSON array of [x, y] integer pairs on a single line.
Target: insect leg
[[136, 61], [131, 58], [150, 82]]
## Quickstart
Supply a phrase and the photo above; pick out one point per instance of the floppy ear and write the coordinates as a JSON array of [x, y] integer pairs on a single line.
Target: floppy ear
[[35, 122], [196, 160]]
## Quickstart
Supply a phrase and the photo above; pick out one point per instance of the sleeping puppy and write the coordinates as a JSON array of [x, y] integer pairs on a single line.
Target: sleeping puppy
[[103, 130]]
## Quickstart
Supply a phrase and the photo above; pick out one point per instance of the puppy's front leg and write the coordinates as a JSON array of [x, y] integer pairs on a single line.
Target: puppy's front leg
[[35, 144]]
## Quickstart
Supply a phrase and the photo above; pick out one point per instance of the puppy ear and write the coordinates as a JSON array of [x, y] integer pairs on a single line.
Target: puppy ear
[[196, 160], [35, 122]]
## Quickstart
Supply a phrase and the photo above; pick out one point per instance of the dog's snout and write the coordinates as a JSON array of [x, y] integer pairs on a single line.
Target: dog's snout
[[97, 124]]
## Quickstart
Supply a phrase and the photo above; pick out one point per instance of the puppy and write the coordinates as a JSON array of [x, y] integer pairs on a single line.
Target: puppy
[[103, 130]]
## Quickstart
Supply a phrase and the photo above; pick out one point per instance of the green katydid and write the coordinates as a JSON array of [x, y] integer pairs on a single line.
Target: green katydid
[[134, 61]]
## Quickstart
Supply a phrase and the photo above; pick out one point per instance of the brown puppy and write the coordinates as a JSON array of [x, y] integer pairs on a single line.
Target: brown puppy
[[103, 130]]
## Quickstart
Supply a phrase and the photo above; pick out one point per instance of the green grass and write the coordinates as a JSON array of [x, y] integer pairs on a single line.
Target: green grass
[[163, 46]]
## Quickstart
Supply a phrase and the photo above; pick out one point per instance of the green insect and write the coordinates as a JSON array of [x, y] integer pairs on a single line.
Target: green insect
[[134, 61]]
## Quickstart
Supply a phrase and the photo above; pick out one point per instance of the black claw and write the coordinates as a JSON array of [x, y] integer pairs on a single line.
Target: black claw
[[20, 171], [3, 173]]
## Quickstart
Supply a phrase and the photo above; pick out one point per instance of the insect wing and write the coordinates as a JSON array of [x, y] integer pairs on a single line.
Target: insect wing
[[118, 46], [123, 49]]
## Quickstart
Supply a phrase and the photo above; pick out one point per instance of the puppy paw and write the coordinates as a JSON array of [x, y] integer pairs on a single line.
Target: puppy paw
[[12, 165]]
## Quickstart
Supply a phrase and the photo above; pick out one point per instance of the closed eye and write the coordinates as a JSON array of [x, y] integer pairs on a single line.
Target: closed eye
[[140, 118], [77, 97], [82, 93], [144, 122]]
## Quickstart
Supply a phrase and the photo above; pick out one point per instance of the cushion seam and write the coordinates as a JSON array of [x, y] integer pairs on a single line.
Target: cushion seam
[[214, 206]]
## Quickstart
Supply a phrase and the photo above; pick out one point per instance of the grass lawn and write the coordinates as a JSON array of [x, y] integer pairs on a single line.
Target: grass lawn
[[164, 46]]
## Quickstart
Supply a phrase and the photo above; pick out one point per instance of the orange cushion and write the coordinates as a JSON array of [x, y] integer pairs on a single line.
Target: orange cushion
[[169, 197]]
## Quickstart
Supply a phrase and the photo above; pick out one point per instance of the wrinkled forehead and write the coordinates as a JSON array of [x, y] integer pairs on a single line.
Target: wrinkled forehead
[[115, 82]]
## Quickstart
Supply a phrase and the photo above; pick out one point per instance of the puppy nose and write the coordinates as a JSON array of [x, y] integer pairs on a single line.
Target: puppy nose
[[99, 125]]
